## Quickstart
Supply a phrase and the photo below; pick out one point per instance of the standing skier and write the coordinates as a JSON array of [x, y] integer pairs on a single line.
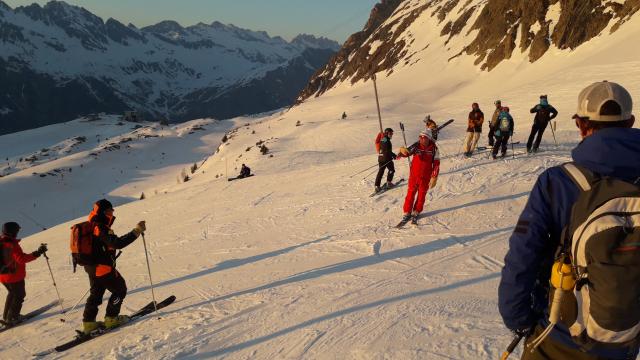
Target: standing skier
[[102, 272], [605, 300], [425, 167], [494, 122], [474, 128], [13, 271], [385, 159], [503, 132], [544, 114]]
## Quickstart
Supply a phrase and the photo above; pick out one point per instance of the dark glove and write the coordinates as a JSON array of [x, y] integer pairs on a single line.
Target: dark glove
[[394, 156], [41, 250]]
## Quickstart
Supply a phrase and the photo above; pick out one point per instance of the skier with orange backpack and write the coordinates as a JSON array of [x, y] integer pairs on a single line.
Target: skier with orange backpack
[[94, 245]]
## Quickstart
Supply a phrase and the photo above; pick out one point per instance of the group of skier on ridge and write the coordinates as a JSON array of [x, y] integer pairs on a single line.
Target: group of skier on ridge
[[425, 165], [501, 127]]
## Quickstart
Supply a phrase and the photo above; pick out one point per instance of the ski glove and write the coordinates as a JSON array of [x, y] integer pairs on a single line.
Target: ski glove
[[140, 228], [41, 250], [524, 332]]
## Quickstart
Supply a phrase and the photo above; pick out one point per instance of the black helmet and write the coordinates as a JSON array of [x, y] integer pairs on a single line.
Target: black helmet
[[388, 130], [11, 229]]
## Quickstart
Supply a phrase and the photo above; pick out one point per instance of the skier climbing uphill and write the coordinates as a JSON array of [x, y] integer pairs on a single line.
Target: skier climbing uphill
[[100, 264], [425, 167]]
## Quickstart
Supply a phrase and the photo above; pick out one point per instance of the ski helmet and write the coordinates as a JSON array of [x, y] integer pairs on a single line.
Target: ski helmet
[[427, 133], [497, 102], [475, 105], [11, 228], [388, 130]]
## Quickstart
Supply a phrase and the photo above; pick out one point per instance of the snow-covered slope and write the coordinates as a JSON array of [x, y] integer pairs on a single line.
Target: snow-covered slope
[[61, 61], [282, 265]]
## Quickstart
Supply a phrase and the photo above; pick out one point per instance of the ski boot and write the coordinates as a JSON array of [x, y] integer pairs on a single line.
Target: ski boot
[[502, 156], [378, 189], [414, 218], [494, 156], [90, 326], [389, 185], [111, 322]]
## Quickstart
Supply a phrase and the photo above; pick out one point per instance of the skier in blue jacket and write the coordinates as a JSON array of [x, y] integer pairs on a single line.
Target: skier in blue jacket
[[610, 147]]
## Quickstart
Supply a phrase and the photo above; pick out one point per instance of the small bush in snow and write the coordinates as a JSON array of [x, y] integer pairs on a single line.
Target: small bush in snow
[[264, 149], [298, 123], [225, 138], [142, 197]]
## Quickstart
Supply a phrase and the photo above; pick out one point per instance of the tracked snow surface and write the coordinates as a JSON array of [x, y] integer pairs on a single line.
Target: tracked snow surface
[[282, 265]]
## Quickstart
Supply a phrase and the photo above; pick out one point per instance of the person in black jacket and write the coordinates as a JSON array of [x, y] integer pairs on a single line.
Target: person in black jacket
[[245, 171], [102, 273], [544, 114], [385, 160]]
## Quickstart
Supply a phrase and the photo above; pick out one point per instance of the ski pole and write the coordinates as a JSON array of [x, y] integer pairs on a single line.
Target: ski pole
[[511, 347], [404, 137], [369, 168], [146, 255], [553, 132], [54, 284], [374, 171], [513, 152], [79, 300]]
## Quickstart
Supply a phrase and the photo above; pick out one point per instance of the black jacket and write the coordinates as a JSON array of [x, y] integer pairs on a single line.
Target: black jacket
[[386, 151], [544, 114], [105, 243]]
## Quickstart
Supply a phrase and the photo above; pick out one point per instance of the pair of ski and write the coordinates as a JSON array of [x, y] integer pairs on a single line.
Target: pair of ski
[[29, 316], [386, 188], [82, 337]]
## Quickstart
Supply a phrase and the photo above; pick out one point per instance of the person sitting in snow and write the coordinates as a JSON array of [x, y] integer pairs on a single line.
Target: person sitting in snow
[[245, 171]]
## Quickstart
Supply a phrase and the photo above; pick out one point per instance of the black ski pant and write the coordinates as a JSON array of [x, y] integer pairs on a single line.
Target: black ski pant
[[501, 144], [385, 165], [539, 130], [114, 282], [491, 136], [15, 298]]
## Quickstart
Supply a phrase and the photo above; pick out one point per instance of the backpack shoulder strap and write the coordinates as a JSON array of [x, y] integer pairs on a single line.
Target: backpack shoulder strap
[[581, 176]]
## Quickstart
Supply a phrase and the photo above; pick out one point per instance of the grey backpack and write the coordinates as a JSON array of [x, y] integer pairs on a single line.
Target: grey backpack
[[603, 237]]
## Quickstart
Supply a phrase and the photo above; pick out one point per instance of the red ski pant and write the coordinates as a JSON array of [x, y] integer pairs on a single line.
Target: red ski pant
[[420, 186]]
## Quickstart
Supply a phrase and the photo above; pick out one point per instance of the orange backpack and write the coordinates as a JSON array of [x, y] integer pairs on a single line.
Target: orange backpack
[[82, 244], [378, 140]]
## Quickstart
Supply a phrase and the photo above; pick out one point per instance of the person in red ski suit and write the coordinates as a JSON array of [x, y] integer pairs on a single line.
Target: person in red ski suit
[[425, 168], [13, 271]]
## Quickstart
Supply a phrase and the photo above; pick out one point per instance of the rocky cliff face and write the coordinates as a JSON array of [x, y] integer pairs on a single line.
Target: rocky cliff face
[[489, 31], [59, 61]]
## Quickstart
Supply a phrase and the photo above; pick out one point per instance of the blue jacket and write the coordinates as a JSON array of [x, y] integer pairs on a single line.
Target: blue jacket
[[502, 115], [522, 292]]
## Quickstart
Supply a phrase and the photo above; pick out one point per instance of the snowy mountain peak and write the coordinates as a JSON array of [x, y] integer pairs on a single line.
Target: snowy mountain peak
[[402, 33], [85, 65], [310, 41]]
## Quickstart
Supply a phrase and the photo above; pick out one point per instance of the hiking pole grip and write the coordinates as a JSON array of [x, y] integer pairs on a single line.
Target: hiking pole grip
[[146, 255], [511, 347]]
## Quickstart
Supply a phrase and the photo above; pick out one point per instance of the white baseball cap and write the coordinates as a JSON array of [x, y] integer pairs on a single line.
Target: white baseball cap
[[605, 101]]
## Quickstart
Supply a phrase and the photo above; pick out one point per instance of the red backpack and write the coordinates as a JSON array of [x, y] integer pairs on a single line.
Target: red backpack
[[82, 244]]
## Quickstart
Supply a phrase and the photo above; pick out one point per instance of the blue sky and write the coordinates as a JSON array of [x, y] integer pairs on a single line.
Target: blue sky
[[335, 19]]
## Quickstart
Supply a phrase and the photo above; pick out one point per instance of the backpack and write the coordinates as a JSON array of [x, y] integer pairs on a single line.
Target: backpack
[[603, 240], [6, 260], [82, 244], [543, 114], [378, 140], [504, 125]]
